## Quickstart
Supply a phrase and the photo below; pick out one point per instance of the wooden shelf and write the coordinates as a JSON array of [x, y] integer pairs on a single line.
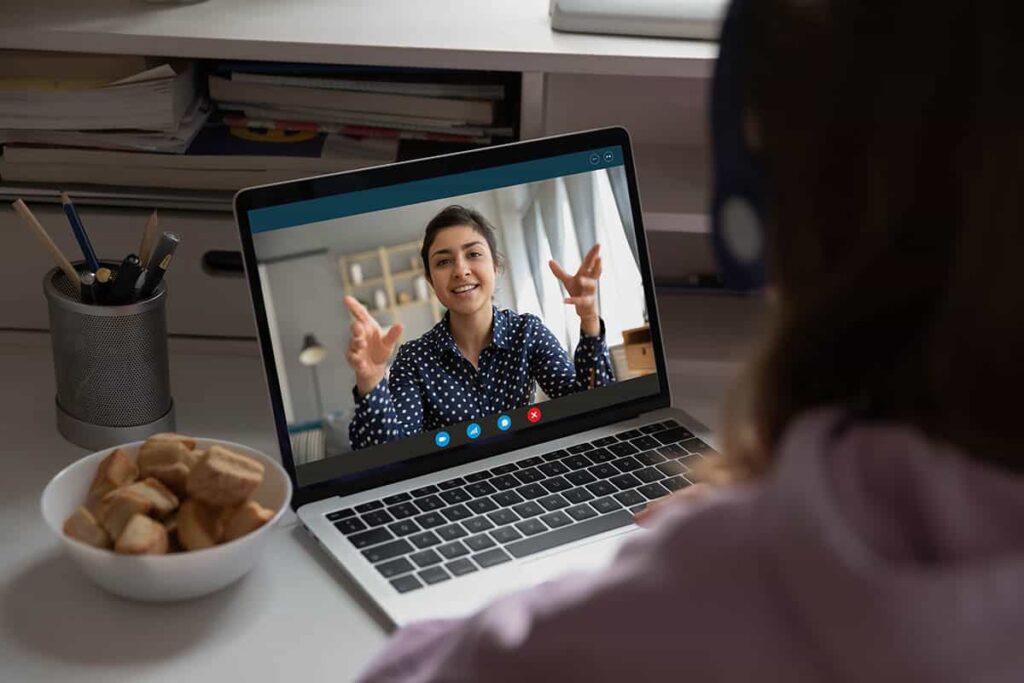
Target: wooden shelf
[[381, 257], [378, 281]]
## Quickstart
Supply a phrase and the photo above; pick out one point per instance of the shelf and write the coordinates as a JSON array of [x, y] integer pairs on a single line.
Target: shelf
[[378, 281], [413, 304], [398, 307]]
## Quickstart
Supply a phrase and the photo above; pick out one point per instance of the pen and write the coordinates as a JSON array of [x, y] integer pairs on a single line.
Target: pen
[[88, 283], [33, 223], [159, 261], [148, 238], [123, 289], [102, 286], [80, 234]]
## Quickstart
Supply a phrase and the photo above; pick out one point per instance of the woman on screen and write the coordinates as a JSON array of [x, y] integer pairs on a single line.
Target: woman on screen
[[479, 360]]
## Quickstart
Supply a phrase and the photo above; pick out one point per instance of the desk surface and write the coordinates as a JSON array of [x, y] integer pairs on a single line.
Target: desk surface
[[295, 615], [513, 35]]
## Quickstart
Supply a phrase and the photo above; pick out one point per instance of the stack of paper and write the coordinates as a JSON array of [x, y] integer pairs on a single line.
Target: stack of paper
[[218, 159], [98, 100]]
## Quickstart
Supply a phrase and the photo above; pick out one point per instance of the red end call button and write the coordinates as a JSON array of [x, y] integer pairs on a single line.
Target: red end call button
[[533, 414]]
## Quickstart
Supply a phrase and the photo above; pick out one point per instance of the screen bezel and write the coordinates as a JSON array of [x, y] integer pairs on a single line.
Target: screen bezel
[[393, 174]]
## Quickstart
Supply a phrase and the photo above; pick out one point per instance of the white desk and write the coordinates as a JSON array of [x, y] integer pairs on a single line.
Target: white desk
[[296, 616], [509, 35]]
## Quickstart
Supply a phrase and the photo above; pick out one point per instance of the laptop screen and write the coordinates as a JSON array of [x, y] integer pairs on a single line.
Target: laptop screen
[[449, 312]]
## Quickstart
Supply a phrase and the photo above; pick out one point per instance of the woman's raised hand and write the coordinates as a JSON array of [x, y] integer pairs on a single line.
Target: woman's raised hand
[[582, 289], [370, 346]]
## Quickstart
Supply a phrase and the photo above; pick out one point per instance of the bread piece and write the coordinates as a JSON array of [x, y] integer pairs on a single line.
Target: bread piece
[[83, 526], [188, 441], [168, 460], [171, 525], [224, 478], [164, 501], [115, 470], [247, 517], [119, 506], [142, 536], [199, 525]]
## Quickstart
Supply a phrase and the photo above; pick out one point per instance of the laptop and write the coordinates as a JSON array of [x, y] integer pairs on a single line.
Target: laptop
[[699, 19], [431, 518]]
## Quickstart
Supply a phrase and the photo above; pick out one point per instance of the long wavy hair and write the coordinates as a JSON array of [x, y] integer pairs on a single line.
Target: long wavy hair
[[893, 136]]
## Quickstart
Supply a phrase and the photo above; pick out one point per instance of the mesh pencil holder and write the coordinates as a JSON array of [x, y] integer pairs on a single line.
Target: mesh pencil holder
[[110, 362]]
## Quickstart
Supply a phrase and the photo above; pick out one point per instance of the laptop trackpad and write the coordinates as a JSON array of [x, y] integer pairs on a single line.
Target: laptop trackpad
[[587, 556]]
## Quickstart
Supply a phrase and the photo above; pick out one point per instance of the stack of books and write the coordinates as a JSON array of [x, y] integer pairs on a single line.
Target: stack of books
[[467, 107], [124, 122]]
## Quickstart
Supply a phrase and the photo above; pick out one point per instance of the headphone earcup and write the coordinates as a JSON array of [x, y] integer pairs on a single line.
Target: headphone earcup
[[737, 225]]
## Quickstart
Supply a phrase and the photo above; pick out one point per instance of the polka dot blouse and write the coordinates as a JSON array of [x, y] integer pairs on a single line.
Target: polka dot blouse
[[431, 384]]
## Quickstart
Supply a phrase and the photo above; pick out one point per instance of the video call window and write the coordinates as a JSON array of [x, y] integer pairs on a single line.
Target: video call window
[[364, 327]]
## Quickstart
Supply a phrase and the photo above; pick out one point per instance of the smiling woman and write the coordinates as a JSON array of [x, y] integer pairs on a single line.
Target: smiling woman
[[479, 360]]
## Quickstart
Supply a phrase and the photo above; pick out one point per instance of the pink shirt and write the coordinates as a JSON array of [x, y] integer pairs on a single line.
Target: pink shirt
[[871, 553]]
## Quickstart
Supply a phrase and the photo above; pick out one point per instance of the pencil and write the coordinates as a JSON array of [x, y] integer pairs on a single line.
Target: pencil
[[148, 238], [32, 222], [80, 234]]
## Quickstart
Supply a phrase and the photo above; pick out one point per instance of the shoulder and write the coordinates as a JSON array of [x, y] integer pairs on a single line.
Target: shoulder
[[521, 322], [415, 350]]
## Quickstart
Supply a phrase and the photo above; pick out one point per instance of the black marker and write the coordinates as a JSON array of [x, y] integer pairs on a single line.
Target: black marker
[[123, 290], [102, 286], [159, 261]]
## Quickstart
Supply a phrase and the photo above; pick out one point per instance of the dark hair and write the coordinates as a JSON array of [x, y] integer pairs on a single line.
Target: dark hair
[[454, 215], [894, 151]]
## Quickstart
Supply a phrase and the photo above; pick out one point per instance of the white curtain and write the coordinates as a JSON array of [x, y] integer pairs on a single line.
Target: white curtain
[[562, 219]]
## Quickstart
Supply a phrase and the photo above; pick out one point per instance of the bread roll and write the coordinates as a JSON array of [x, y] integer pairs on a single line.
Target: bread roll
[[115, 470], [163, 499], [142, 536], [188, 441], [247, 517], [119, 506], [168, 458], [199, 525], [83, 526], [224, 478]]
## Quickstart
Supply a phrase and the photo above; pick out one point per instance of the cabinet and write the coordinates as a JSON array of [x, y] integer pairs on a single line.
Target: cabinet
[[655, 87]]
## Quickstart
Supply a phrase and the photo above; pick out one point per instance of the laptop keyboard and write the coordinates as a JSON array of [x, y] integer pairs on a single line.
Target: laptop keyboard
[[467, 524]]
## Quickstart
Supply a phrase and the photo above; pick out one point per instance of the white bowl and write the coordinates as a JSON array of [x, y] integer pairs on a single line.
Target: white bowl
[[162, 578]]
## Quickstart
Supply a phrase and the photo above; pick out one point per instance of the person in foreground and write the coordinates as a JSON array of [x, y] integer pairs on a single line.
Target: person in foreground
[[864, 519], [478, 360]]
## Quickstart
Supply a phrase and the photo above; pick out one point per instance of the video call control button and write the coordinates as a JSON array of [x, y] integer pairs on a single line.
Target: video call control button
[[473, 430], [609, 157], [504, 423], [442, 439], [595, 159], [533, 414]]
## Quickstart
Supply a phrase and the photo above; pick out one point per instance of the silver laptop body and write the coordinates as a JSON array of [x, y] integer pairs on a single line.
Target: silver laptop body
[[666, 442]]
